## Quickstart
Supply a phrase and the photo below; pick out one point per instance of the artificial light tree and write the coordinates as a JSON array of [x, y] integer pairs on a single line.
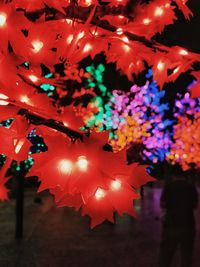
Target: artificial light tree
[[52, 88]]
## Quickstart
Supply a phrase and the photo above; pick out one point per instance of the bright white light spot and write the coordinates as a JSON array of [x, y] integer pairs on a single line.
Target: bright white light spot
[[158, 11], [18, 145], [100, 193], [70, 38], [160, 65], [24, 99], [126, 48], [37, 45], [119, 31], [65, 166], [176, 156], [33, 78], [81, 34], [88, 2], [3, 18], [87, 48], [65, 123], [183, 52], [125, 39], [176, 70], [115, 185], [82, 163], [2, 102], [69, 21], [146, 21], [121, 17]]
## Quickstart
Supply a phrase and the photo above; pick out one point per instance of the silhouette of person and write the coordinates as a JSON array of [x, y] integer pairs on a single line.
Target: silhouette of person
[[179, 199]]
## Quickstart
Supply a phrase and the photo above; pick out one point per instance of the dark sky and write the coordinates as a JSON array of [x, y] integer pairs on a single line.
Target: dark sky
[[183, 32]]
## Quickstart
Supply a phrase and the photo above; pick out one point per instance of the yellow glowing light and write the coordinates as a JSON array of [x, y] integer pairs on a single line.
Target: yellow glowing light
[[3, 102], [146, 21], [119, 31], [65, 166], [82, 163], [70, 38], [183, 52], [115, 185], [87, 48], [37, 45], [33, 78], [158, 11], [100, 193], [160, 65], [3, 18]]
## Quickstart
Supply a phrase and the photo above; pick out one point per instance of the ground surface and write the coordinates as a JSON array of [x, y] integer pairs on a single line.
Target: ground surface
[[61, 238]]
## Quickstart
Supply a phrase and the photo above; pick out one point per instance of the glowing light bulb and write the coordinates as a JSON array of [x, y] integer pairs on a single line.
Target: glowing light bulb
[[70, 38], [81, 34], [87, 48], [176, 70], [33, 78], [18, 146], [158, 11], [119, 31], [3, 18], [82, 163], [24, 99], [115, 185], [160, 65], [183, 52], [66, 123], [146, 21], [125, 39], [65, 166], [69, 21], [3, 102], [88, 2], [100, 193], [37, 45], [126, 48]]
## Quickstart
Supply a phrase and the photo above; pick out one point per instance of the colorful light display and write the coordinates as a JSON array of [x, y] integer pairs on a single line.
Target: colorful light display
[[46, 48]]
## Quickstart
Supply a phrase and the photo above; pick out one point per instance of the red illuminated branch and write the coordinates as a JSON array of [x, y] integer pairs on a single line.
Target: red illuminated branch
[[82, 13], [51, 123]]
